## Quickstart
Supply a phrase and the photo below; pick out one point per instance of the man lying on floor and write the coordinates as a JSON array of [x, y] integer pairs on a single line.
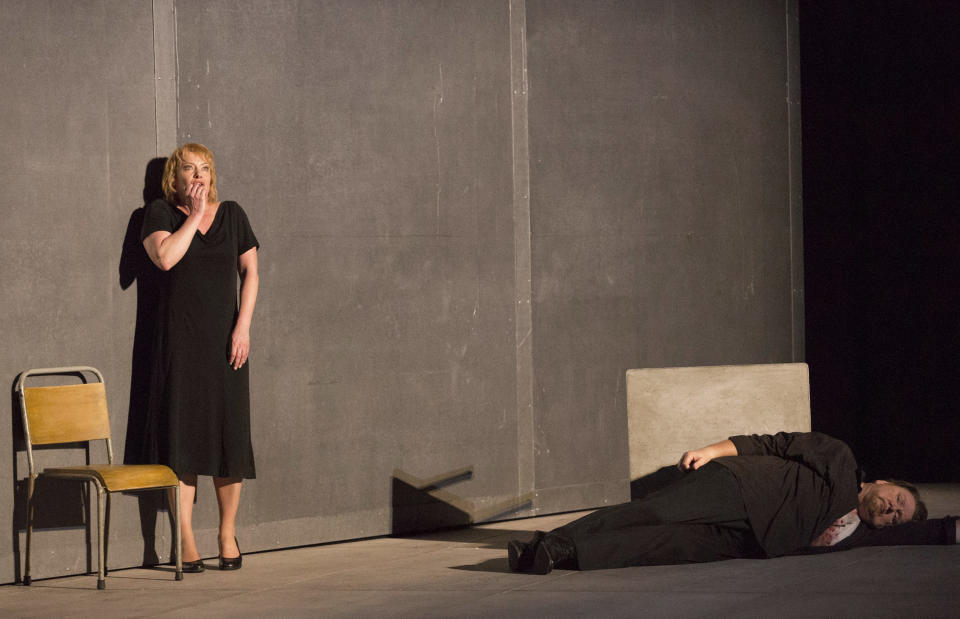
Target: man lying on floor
[[756, 496]]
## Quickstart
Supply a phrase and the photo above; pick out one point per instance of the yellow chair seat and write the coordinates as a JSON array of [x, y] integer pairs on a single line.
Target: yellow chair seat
[[119, 477]]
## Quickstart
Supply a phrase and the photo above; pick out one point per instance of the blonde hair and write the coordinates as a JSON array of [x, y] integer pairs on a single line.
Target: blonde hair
[[173, 164]]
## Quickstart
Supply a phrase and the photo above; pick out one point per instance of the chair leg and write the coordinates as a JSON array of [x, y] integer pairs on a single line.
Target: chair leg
[[178, 542], [101, 516], [86, 516], [106, 534], [26, 567]]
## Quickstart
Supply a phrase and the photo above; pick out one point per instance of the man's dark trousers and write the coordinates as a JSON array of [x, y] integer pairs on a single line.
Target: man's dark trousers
[[700, 517]]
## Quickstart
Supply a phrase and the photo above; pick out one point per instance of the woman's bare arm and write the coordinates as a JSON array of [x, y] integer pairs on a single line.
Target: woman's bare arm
[[249, 286], [166, 249]]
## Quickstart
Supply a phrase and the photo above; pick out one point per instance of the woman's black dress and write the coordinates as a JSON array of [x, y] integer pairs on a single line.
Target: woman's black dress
[[198, 416]]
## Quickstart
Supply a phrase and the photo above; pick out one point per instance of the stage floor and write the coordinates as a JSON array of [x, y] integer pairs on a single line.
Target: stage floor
[[464, 573]]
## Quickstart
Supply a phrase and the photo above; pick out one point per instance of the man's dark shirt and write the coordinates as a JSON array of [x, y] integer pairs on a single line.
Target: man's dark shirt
[[794, 486]]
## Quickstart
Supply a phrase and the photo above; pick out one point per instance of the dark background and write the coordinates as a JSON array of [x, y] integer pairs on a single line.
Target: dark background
[[882, 262]]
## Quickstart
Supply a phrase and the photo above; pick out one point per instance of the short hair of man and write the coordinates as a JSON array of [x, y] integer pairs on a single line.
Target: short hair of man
[[920, 513], [173, 164]]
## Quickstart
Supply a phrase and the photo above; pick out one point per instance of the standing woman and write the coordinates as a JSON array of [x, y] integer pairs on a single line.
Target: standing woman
[[199, 402]]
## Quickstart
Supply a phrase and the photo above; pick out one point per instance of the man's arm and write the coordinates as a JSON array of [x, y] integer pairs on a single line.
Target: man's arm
[[815, 450], [692, 460]]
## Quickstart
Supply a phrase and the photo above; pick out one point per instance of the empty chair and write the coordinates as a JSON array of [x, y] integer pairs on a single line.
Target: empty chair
[[77, 413]]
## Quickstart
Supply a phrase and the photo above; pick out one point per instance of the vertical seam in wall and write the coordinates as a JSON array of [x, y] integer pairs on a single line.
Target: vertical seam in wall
[[526, 457], [797, 331], [176, 74], [166, 70], [156, 82]]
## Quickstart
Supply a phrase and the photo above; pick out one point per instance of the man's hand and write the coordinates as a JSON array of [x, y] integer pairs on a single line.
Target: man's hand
[[693, 460]]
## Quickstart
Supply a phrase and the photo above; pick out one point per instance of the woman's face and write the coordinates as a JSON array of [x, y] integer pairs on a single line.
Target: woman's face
[[193, 170]]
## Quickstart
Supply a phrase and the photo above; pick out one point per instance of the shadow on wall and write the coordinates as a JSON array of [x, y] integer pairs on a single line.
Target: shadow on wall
[[421, 505], [135, 266], [424, 505]]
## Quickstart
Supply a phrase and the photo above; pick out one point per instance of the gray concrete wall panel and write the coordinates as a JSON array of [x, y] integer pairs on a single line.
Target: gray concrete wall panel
[[370, 144], [660, 206], [722, 401], [77, 117]]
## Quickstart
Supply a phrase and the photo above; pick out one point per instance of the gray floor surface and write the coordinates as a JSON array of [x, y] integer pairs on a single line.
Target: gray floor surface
[[464, 573]]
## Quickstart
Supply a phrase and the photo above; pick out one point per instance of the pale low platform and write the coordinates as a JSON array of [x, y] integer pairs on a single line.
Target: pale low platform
[[463, 573]]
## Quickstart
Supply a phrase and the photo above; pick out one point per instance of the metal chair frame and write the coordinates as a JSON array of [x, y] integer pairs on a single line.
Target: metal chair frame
[[107, 478]]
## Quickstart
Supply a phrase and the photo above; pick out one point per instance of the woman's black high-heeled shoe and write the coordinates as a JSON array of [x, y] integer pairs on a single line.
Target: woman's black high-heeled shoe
[[193, 567], [234, 563]]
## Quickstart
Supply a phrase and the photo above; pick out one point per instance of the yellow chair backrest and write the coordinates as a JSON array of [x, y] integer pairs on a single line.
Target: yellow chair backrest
[[67, 413]]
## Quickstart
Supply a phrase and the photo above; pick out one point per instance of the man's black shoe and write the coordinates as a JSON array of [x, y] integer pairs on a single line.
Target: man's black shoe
[[521, 554], [553, 551]]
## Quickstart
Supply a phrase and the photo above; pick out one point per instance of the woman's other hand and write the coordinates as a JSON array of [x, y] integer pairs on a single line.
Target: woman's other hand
[[249, 284], [239, 346]]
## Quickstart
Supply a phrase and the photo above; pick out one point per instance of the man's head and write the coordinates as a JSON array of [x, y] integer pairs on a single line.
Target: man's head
[[885, 503]]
